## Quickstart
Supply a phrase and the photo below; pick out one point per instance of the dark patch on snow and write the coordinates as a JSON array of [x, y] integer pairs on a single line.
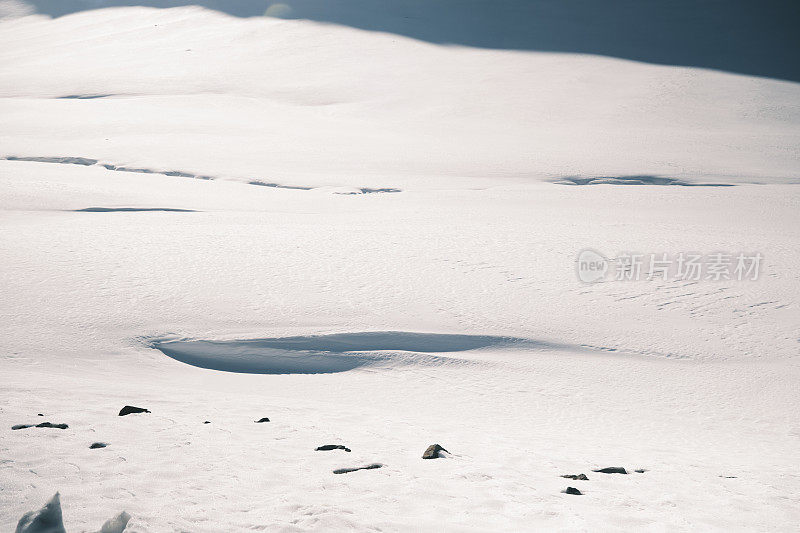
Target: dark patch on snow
[[279, 186], [573, 490], [46, 520], [611, 470], [96, 445], [84, 96], [131, 209], [577, 477], [329, 447], [634, 180], [366, 190], [262, 420], [434, 451], [129, 410], [354, 469], [85, 161], [640, 470]]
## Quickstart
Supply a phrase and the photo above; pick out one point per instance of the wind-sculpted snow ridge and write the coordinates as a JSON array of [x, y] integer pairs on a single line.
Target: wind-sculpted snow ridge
[[86, 161], [324, 354], [643, 179]]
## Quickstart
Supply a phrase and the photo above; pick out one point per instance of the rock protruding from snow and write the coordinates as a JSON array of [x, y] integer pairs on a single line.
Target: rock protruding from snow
[[262, 420], [51, 425], [96, 445], [42, 425], [329, 447], [129, 410], [573, 490], [116, 524], [577, 477], [434, 452], [353, 469], [45, 520], [611, 470]]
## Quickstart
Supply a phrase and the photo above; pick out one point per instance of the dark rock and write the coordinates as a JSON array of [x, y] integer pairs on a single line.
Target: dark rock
[[573, 490], [45, 520], [206, 422], [612, 470], [329, 447], [578, 477], [640, 470], [96, 445], [42, 425], [366, 467], [51, 425], [265, 419], [433, 452], [40, 414], [129, 410]]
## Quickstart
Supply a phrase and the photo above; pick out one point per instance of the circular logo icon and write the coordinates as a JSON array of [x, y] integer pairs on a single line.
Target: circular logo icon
[[591, 266]]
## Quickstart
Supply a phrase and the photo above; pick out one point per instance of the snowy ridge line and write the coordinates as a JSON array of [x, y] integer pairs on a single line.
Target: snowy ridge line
[[88, 162]]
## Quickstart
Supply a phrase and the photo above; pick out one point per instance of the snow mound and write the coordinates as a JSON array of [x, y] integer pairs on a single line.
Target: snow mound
[[322, 354], [45, 520], [116, 524]]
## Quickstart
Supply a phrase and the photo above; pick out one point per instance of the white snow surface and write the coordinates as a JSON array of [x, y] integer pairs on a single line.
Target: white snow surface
[[111, 247]]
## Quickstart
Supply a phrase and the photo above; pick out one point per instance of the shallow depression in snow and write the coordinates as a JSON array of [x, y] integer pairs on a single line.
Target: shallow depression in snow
[[320, 354]]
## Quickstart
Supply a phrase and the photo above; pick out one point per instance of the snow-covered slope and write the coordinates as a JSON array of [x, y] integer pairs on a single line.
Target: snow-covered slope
[[358, 235], [203, 92]]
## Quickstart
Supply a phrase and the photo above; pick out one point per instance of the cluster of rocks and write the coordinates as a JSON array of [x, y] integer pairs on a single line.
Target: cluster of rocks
[[606, 470]]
